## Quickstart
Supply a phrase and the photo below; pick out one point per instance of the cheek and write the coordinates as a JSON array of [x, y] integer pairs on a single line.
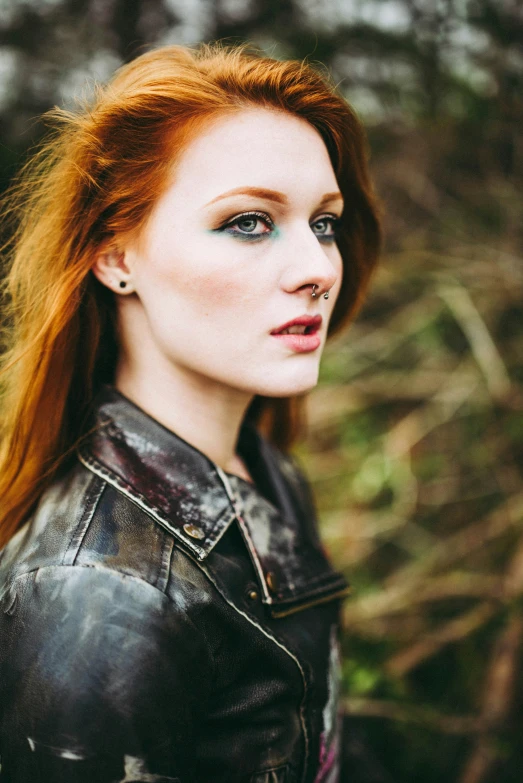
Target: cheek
[[199, 277], [217, 290], [199, 288]]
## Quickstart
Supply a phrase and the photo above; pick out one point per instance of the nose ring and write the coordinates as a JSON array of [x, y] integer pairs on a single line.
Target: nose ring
[[314, 294]]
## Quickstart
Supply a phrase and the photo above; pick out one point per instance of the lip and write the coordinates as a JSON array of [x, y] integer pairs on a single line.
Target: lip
[[301, 343], [312, 321]]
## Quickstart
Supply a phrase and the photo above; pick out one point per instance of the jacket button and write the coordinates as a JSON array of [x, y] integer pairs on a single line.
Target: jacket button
[[272, 581], [193, 531], [252, 595]]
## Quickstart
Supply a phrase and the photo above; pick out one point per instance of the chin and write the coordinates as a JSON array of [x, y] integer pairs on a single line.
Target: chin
[[299, 383]]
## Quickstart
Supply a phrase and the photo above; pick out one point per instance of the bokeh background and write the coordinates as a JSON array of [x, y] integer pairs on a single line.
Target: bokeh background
[[415, 444]]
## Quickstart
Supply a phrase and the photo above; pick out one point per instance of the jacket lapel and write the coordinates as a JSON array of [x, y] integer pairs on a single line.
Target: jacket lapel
[[196, 501]]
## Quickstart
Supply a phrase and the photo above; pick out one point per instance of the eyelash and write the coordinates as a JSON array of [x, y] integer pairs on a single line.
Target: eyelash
[[328, 238]]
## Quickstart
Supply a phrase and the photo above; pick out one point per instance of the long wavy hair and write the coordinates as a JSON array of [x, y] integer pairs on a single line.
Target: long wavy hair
[[98, 175]]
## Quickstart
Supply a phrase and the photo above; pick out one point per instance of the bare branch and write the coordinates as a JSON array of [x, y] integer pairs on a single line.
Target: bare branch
[[446, 724], [482, 345], [458, 546], [407, 596], [433, 641]]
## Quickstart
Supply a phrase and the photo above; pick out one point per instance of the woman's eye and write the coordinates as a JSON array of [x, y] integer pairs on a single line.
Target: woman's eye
[[249, 224], [326, 227]]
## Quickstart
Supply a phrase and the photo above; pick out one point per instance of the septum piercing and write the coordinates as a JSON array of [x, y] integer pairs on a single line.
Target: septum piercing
[[314, 294]]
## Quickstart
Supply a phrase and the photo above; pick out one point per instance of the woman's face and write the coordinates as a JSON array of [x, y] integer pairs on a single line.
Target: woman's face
[[230, 255]]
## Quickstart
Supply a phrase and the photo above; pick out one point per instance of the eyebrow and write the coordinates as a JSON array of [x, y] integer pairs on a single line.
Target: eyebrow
[[270, 195]]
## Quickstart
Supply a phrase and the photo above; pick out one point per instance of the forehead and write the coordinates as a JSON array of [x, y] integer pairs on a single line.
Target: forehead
[[255, 147]]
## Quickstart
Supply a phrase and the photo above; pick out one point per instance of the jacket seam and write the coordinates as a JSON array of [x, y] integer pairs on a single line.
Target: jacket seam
[[317, 589], [292, 655], [93, 495], [165, 563], [285, 612], [254, 557], [122, 574]]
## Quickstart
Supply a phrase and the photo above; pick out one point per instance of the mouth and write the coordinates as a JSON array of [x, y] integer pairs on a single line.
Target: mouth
[[300, 334], [305, 324]]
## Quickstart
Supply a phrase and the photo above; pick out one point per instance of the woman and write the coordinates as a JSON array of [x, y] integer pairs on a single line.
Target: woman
[[184, 245]]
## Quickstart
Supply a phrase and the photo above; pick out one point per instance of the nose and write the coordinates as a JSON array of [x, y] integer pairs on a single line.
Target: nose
[[312, 267]]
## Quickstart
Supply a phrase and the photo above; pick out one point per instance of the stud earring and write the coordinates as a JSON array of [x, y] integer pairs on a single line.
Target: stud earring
[[123, 284]]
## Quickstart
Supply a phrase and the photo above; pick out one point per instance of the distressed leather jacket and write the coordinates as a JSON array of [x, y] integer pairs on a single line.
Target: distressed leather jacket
[[161, 620]]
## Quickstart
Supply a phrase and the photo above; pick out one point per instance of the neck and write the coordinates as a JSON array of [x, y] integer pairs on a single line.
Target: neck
[[204, 413]]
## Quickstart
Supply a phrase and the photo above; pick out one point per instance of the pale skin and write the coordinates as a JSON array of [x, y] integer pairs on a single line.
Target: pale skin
[[202, 298]]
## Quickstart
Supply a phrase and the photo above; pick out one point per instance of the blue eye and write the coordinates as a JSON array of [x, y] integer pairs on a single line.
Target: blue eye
[[326, 228], [247, 225]]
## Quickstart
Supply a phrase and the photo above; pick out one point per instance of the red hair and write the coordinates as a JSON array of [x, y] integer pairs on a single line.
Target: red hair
[[98, 176]]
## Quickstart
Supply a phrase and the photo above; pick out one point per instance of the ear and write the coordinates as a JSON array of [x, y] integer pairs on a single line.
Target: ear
[[111, 269]]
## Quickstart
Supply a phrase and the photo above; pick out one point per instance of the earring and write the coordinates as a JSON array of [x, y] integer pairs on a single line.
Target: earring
[[123, 284], [314, 294]]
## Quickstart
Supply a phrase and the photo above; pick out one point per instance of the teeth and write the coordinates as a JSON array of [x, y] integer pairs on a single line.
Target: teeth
[[297, 329]]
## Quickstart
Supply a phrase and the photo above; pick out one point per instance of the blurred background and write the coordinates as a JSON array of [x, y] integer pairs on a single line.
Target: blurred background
[[415, 445]]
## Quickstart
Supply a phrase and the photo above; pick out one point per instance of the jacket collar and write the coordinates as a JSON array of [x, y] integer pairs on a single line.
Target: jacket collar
[[196, 501]]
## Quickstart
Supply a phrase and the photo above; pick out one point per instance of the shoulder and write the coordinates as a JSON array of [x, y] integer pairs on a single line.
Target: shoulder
[[88, 583], [90, 573], [82, 520], [91, 663], [73, 609], [85, 606]]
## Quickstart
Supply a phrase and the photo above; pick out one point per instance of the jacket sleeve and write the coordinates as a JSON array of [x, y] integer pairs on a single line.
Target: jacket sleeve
[[102, 679]]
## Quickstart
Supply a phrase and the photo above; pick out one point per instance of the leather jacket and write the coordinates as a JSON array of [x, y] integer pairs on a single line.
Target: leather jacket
[[161, 620]]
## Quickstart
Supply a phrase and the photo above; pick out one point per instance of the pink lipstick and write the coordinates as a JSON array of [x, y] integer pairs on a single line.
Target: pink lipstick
[[300, 334]]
